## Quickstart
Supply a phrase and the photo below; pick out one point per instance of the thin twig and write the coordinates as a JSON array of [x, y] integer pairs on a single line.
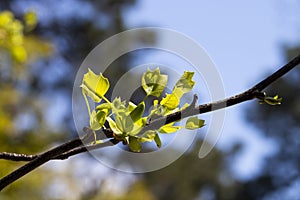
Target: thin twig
[[72, 152], [17, 157], [41, 159], [254, 92], [83, 149]]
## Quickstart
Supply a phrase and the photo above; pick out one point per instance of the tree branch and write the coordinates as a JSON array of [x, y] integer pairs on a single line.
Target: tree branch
[[76, 146], [41, 159], [254, 92], [17, 157], [63, 156]]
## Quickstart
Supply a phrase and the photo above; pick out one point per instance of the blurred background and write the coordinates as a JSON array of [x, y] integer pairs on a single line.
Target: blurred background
[[257, 155]]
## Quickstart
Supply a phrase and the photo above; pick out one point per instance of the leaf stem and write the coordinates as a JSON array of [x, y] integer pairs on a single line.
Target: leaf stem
[[105, 99], [87, 103]]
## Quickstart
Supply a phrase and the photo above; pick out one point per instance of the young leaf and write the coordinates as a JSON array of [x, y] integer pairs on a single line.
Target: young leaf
[[157, 110], [178, 92], [169, 128], [95, 86], [148, 136], [104, 106], [113, 126], [153, 82], [273, 100], [157, 140], [137, 113], [118, 105], [97, 119], [123, 122], [134, 144], [138, 126], [185, 83], [171, 101], [194, 123], [131, 106]]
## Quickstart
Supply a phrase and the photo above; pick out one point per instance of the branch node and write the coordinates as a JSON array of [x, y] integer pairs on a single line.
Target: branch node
[[259, 95], [195, 99]]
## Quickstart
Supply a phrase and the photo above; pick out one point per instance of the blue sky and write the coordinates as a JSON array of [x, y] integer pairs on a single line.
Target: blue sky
[[244, 39]]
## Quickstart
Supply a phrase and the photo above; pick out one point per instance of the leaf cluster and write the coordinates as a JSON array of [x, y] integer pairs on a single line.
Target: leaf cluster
[[126, 119]]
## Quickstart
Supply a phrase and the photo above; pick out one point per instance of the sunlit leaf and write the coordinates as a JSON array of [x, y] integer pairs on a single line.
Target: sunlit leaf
[[185, 83], [95, 86], [104, 106], [134, 144], [171, 101], [157, 140], [153, 82], [194, 123], [148, 136], [113, 126], [169, 128], [118, 105], [131, 106], [156, 110], [273, 100], [138, 112], [123, 122], [97, 119], [138, 126], [178, 92]]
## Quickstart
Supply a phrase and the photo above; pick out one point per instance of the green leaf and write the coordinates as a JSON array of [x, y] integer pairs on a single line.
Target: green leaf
[[194, 123], [97, 119], [131, 106], [185, 83], [178, 92], [156, 110], [95, 86], [148, 136], [134, 144], [124, 122], [153, 82], [157, 140], [273, 100], [118, 105], [138, 112], [169, 128], [113, 126], [171, 101], [138, 126], [104, 106], [128, 119]]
